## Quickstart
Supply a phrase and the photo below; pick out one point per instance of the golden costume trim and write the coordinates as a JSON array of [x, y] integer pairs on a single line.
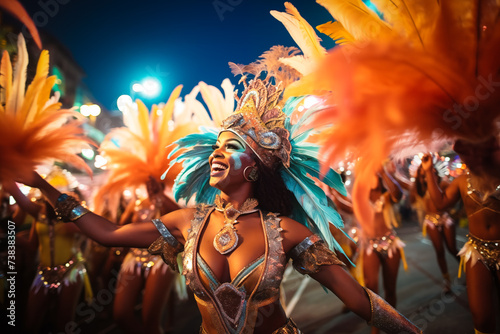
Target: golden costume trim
[[233, 307], [436, 220], [141, 262], [385, 246], [476, 249]]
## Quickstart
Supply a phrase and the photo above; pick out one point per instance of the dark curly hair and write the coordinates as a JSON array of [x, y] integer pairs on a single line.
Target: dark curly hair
[[271, 192]]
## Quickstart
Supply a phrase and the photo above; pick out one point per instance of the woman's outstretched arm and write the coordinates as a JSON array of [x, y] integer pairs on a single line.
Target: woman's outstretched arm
[[313, 257], [103, 231]]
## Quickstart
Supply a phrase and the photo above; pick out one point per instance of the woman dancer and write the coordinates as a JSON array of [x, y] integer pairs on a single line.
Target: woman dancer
[[480, 256], [235, 251], [381, 248], [61, 273], [436, 223]]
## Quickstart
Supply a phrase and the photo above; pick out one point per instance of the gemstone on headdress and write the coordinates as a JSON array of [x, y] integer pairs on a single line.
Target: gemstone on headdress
[[259, 120], [269, 140]]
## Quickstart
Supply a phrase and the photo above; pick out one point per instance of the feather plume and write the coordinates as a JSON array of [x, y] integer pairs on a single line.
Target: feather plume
[[337, 32], [418, 82], [270, 63], [16, 98], [139, 151], [314, 210], [35, 130], [359, 20], [301, 32], [193, 179], [411, 19], [5, 75], [220, 107]]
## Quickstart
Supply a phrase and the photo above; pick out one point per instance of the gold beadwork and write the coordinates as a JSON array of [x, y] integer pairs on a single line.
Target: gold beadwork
[[226, 240], [259, 121]]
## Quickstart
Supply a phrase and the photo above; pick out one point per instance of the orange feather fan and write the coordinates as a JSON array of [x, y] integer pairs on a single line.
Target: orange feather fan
[[431, 71], [140, 150], [35, 130]]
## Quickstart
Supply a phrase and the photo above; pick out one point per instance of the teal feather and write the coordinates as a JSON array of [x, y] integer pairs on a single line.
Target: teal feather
[[315, 205], [304, 159], [314, 210], [195, 150]]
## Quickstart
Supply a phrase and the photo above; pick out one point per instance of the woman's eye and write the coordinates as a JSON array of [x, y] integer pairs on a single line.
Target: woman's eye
[[214, 147], [231, 147]]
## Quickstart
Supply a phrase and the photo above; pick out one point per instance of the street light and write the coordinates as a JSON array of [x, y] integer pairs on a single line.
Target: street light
[[123, 102], [149, 87], [91, 111]]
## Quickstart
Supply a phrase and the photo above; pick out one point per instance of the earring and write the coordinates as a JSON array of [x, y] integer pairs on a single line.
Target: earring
[[253, 176]]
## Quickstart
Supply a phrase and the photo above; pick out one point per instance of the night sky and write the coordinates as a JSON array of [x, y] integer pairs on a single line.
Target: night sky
[[179, 42]]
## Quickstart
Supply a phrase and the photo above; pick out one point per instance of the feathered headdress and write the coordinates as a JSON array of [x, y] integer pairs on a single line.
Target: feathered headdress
[[279, 142], [139, 150], [35, 130], [428, 70]]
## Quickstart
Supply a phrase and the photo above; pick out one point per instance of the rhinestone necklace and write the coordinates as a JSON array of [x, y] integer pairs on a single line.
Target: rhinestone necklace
[[226, 240], [483, 196]]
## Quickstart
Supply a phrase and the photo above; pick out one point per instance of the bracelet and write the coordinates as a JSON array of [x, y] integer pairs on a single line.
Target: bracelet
[[68, 208]]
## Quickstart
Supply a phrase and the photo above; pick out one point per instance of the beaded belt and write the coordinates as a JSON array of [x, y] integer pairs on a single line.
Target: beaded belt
[[383, 244], [434, 218], [488, 249], [53, 276]]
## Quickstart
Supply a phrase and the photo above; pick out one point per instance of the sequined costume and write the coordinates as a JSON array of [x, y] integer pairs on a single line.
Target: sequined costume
[[61, 262], [436, 221], [140, 262], [233, 307], [475, 249], [388, 244], [485, 251]]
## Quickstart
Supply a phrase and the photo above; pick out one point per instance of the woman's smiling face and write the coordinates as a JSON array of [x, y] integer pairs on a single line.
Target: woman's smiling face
[[228, 161]]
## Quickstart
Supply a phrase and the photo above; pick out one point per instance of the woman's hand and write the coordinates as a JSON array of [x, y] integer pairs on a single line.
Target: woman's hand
[[427, 162]]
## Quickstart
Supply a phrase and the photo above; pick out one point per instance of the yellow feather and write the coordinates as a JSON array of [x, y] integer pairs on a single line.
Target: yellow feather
[[299, 63], [5, 77], [337, 32], [44, 94], [34, 127], [168, 111], [301, 32], [16, 98], [360, 21], [213, 99], [31, 106], [410, 19]]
